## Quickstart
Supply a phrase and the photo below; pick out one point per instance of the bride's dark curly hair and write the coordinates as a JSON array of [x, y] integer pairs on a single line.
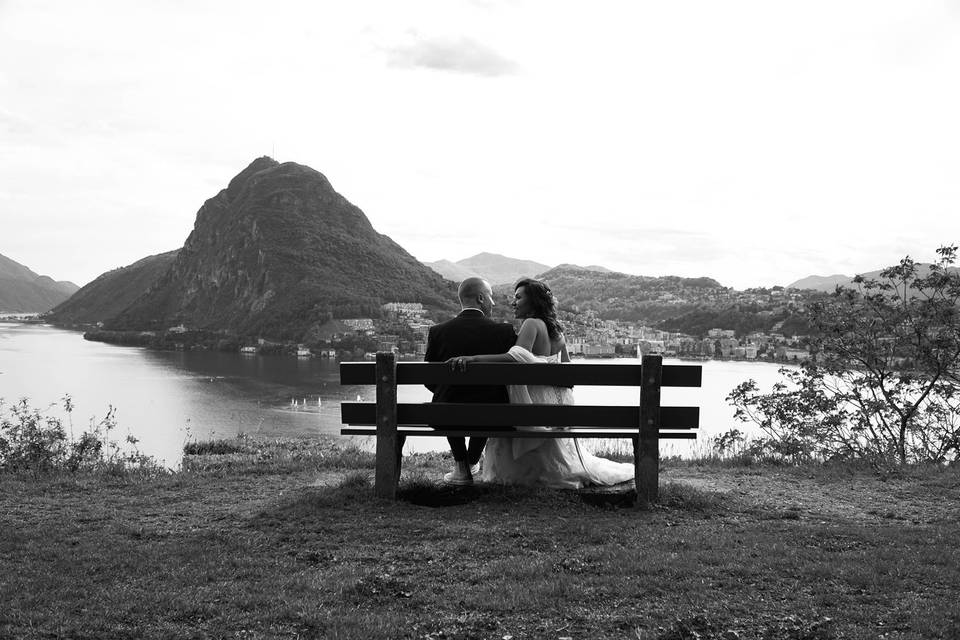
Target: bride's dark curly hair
[[544, 304]]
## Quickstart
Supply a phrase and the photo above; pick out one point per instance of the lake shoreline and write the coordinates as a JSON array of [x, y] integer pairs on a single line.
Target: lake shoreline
[[164, 398], [202, 340]]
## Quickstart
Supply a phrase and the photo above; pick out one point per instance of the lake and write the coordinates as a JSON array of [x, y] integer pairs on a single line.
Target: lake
[[165, 399]]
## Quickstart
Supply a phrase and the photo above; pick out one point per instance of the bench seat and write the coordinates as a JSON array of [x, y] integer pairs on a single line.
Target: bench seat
[[477, 416]]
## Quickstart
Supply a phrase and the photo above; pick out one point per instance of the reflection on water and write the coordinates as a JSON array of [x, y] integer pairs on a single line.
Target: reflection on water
[[166, 398]]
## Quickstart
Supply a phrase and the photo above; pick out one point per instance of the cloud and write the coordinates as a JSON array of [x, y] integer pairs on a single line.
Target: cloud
[[15, 124], [463, 55], [651, 244]]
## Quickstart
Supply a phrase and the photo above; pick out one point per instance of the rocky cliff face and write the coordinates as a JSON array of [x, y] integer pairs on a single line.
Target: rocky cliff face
[[277, 253]]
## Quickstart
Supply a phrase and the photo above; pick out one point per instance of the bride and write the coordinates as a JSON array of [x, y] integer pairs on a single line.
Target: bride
[[547, 462]]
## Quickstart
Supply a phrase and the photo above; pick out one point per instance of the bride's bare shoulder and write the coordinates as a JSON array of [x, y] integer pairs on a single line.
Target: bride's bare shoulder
[[535, 328]]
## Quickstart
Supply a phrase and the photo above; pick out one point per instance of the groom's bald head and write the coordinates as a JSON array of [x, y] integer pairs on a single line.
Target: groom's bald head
[[476, 293]]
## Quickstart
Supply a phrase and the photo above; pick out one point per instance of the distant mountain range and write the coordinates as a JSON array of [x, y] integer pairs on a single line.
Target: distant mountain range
[[278, 254], [497, 269], [494, 268], [620, 296], [822, 283], [23, 291], [452, 270], [503, 270], [829, 283], [687, 305]]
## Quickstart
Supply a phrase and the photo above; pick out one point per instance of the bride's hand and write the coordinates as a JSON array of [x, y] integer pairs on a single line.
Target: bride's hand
[[459, 363]]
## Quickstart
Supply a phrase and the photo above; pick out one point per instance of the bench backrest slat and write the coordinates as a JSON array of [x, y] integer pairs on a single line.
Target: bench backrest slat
[[520, 415], [626, 375]]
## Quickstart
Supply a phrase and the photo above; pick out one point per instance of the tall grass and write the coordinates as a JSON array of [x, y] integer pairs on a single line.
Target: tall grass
[[709, 451], [257, 455]]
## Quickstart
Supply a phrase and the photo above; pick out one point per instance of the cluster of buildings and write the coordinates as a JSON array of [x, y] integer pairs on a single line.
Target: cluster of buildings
[[405, 326], [590, 336], [403, 329], [18, 317], [723, 344]]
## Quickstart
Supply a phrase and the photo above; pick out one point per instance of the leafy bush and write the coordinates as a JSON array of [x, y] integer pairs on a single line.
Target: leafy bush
[[884, 383], [37, 442]]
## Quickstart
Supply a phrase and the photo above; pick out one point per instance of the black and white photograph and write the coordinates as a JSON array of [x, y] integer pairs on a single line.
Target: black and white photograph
[[480, 319]]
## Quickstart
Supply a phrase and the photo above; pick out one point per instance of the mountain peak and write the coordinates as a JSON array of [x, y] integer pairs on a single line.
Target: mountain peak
[[493, 267], [278, 253], [262, 163], [485, 255], [821, 283]]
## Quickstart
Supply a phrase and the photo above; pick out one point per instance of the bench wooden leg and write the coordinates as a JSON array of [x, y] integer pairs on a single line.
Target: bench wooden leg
[[389, 442], [646, 471], [646, 447], [389, 461], [387, 474]]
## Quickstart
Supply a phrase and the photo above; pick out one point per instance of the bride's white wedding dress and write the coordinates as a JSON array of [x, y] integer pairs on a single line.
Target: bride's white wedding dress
[[548, 462]]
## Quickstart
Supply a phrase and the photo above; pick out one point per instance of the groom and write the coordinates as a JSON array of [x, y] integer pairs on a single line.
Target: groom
[[471, 333]]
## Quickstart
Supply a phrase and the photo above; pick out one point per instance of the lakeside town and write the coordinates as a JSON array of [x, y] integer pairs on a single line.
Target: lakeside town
[[404, 326]]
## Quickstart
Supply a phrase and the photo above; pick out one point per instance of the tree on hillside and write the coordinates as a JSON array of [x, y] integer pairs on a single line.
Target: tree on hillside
[[884, 382]]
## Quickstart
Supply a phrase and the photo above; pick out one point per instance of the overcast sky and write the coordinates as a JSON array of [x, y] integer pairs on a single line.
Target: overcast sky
[[753, 142]]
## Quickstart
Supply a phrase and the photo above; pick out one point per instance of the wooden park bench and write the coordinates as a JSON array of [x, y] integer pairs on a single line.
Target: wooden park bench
[[645, 424]]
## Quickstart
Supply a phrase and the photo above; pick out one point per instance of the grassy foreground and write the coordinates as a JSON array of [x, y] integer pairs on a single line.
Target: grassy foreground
[[285, 540]]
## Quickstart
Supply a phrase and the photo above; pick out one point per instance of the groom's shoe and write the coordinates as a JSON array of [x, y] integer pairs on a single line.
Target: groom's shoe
[[475, 468], [461, 476]]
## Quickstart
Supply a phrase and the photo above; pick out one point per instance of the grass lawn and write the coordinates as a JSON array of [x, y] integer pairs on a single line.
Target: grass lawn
[[285, 540]]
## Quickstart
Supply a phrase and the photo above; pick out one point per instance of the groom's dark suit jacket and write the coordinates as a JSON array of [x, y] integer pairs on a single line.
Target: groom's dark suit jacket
[[469, 334]]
